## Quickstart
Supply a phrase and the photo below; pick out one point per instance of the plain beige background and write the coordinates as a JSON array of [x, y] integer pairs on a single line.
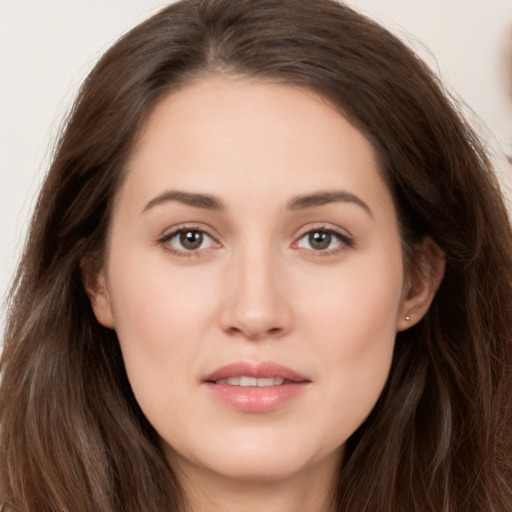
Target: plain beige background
[[48, 46]]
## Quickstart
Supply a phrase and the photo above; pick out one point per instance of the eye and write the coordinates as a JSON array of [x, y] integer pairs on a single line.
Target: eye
[[324, 240], [187, 241]]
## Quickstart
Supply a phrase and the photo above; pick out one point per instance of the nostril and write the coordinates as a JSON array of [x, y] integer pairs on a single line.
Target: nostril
[[274, 331]]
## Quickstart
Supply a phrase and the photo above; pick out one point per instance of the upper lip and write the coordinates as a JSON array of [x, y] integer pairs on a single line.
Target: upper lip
[[259, 370]]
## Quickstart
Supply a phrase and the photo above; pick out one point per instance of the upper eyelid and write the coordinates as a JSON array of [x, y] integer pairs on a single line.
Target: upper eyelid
[[323, 226], [171, 232]]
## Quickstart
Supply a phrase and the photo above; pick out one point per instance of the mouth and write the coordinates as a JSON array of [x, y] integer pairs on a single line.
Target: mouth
[[246, 381], [261, 387]]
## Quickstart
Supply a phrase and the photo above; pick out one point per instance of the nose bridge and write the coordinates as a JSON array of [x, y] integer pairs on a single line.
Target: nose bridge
[[256, 305]]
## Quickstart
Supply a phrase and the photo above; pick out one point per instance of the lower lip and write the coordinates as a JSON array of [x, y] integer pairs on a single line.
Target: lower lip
[[257, 399]]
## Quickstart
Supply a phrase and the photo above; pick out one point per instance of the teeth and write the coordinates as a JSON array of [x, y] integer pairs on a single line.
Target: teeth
[[265, 382], [248, 381], [245, 381]]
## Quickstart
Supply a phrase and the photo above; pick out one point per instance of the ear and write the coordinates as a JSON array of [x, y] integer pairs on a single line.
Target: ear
[[421, 283], [95, 285]]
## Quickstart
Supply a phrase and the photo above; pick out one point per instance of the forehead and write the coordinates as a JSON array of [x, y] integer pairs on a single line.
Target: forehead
[[223, 132]]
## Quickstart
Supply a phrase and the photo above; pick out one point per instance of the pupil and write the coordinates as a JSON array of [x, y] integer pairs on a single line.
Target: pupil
[[320, 240], [191, 239]]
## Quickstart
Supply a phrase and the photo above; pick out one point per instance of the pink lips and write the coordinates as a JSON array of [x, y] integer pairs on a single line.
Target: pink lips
[[256, 398]]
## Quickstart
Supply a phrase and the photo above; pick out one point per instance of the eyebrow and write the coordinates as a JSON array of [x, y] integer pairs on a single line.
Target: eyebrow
[[208, 202], [196, 200], [327, 197]]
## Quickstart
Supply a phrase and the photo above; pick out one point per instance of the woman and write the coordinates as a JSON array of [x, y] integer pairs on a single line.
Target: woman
[[270, 267]]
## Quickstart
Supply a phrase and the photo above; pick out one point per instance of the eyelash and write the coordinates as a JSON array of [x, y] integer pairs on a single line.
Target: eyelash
[[345, 241]]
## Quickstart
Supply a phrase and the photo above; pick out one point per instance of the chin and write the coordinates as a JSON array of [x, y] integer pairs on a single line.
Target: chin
[[275, 467], [257, 461]]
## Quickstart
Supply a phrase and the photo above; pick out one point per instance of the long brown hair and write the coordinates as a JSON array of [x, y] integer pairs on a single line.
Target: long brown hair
[[72, 437]]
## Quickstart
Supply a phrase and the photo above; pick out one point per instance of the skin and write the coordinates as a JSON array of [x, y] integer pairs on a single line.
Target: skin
[[257, 289]]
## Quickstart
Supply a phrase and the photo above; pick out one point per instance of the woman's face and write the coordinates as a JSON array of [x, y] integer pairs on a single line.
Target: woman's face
[[254, 278]]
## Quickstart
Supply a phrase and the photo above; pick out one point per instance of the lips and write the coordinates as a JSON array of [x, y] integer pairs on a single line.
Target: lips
[[256, 370], [261, 387]]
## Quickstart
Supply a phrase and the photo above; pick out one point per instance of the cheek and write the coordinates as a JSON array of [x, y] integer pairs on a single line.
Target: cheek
[[353, 320], [359, 301], [161, 318], [154, 301]]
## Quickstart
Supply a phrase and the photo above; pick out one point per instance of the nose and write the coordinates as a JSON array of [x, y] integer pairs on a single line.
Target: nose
[[256, 304]]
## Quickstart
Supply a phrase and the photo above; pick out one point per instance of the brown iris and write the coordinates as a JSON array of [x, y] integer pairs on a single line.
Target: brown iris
[[191, 240], [319, 240]]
